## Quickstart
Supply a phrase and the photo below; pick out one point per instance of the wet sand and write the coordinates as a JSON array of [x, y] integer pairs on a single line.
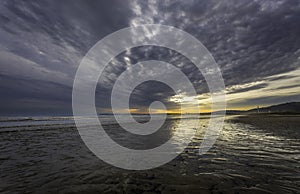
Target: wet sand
[[253, 154]]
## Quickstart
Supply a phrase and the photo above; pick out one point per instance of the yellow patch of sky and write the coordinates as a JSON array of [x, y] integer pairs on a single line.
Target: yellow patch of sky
[[287, 84]]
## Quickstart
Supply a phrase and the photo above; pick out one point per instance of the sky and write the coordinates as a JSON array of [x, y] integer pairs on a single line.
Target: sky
[[256, 44]]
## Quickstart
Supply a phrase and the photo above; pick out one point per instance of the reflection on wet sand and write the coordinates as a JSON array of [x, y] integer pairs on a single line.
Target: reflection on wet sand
[[252, 155]]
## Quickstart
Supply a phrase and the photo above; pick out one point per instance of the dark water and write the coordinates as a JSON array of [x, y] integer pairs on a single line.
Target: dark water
[[251, 155]]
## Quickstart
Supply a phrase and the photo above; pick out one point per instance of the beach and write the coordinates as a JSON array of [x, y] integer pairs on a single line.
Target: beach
[[253, 154]]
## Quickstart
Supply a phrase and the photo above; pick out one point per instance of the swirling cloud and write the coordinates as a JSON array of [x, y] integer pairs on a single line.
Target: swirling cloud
[[255, 43]]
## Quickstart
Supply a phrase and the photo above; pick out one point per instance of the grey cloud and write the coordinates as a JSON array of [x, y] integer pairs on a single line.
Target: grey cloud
[[46, 41], [281, 77], [287, 87], [267, 100], [258, 86]]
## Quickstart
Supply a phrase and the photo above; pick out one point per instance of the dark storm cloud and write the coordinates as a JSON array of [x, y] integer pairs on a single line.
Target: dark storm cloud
[[42, 43], [249, 40]]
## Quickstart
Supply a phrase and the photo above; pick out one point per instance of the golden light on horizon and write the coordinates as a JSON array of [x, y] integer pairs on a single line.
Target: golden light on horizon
[[236, 96]]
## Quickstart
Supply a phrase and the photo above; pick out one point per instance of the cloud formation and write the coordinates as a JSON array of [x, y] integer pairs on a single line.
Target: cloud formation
[[255, 43]]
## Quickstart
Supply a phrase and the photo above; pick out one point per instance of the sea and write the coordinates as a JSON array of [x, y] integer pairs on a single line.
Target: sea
[[252, 154]]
